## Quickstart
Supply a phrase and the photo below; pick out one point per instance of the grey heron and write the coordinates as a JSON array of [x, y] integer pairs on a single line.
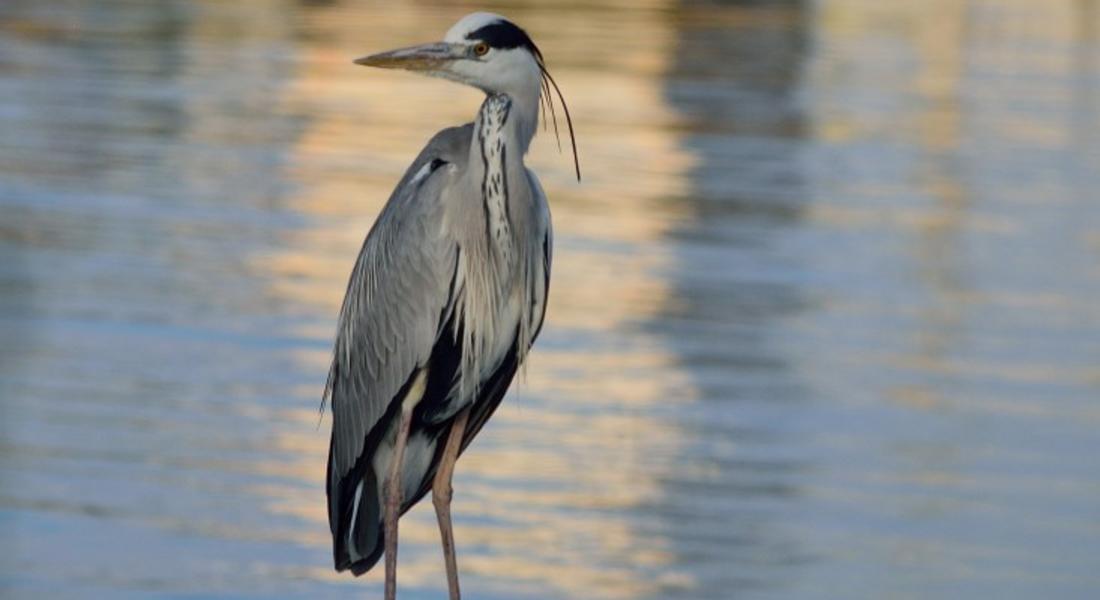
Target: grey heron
[[445, 300]]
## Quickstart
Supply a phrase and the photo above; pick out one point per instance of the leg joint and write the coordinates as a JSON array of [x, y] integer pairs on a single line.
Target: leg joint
[[442, 492]]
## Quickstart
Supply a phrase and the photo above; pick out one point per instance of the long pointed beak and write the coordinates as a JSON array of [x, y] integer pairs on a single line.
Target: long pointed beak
[[425, 57]]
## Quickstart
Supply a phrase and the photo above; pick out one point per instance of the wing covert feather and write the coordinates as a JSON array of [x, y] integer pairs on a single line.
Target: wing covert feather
[[390, 319]]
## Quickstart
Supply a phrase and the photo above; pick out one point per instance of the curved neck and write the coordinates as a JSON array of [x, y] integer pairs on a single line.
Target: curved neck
[[502, 133]]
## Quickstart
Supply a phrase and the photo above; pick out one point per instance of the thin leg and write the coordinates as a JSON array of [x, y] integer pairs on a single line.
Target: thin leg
[[441, 498], [393, 504]]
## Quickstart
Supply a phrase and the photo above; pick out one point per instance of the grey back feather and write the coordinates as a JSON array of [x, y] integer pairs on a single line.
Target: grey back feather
[[399, 289]]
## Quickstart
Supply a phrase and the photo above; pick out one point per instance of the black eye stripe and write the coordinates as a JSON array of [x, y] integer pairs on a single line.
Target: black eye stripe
[[505, 36]]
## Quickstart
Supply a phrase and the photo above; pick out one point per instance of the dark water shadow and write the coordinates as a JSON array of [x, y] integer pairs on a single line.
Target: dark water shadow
[[736, 81]]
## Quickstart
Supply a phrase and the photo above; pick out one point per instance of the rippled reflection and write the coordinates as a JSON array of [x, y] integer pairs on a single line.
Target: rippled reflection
[[949, 178], [822, 320]]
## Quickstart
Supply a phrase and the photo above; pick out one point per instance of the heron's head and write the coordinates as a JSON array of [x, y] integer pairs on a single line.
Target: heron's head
[[488, 52], [483, 50]]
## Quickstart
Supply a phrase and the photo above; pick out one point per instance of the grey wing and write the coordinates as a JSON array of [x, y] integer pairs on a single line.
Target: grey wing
[[399, 292], [546, 239]]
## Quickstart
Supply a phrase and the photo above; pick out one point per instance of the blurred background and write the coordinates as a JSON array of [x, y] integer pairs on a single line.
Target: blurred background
[[825, 318]]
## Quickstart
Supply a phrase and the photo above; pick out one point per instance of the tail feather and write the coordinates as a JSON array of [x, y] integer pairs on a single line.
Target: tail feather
[[355, 520]]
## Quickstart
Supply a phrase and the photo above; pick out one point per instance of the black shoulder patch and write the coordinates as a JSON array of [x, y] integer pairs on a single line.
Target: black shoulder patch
[[504, 35]]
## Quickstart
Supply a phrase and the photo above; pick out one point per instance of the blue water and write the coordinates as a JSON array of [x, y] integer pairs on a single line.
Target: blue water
[[823, 324]]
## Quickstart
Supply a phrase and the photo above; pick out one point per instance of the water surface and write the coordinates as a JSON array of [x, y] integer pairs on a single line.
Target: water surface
[[824, 317]]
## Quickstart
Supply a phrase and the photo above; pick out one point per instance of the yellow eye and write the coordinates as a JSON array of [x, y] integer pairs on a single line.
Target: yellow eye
[[481, 49]]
